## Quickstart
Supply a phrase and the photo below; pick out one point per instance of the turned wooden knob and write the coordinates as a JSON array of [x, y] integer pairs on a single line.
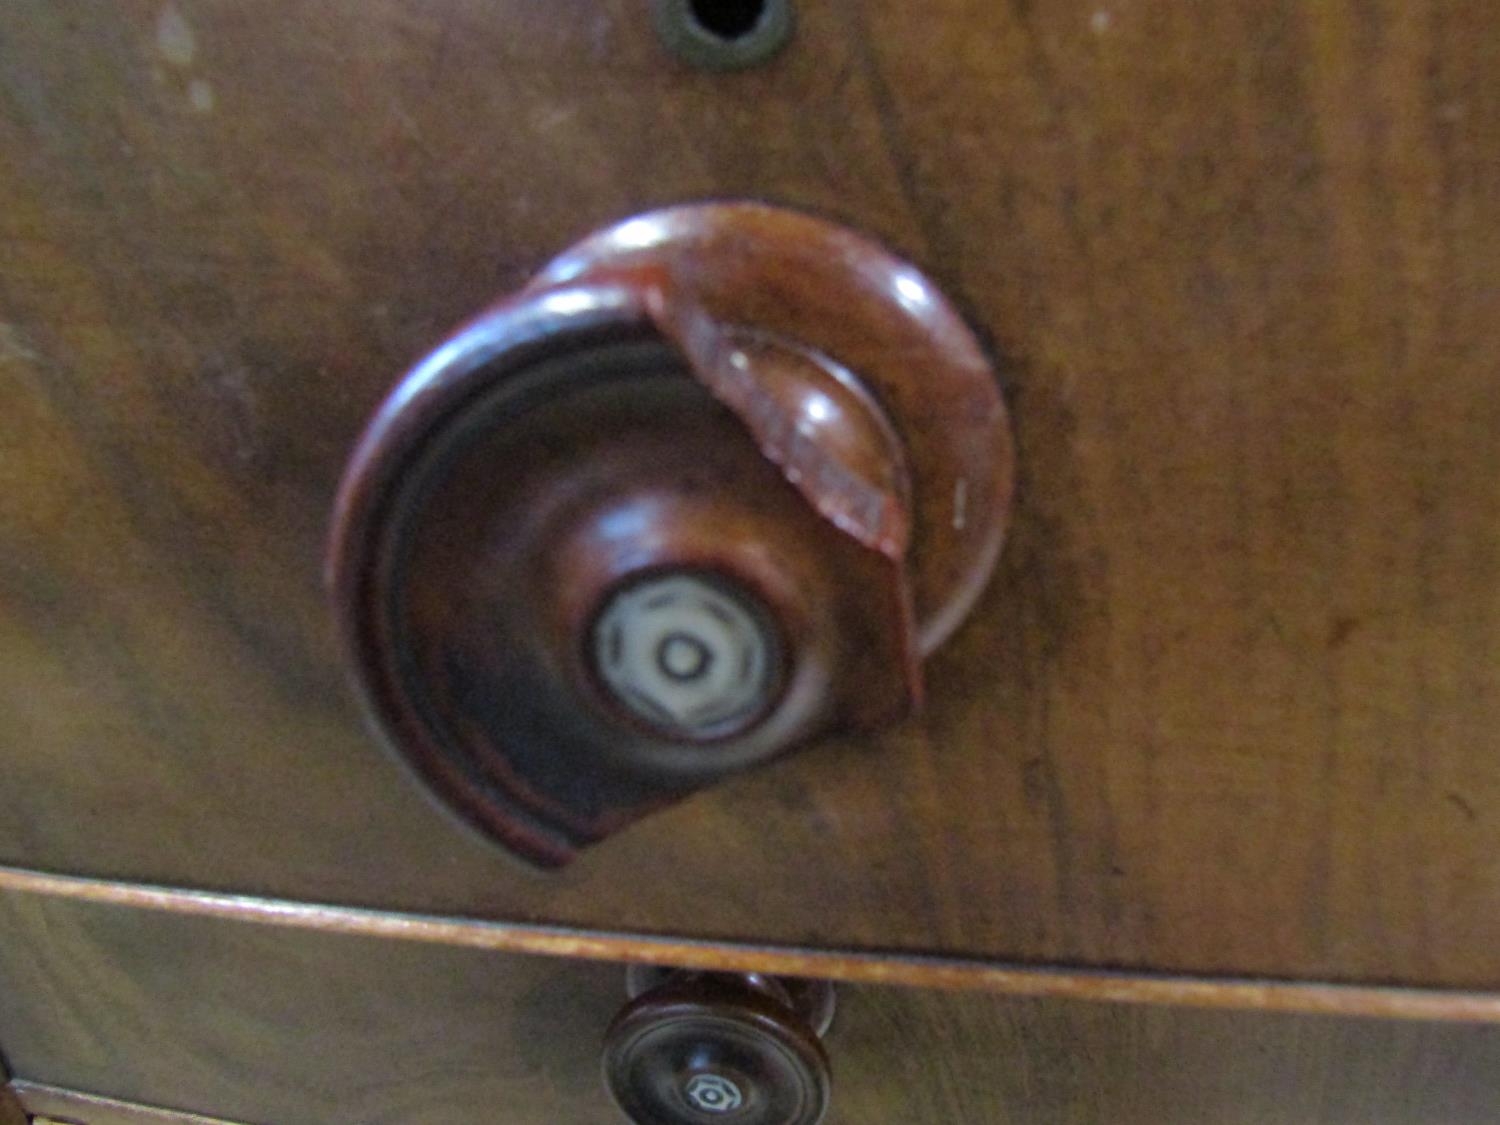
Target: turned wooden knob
[[700, 1049], [713, 484]]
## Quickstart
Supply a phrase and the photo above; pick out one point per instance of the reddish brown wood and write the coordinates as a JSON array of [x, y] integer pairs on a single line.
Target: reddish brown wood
[[666, 399], [1229, 707], [898, 343]]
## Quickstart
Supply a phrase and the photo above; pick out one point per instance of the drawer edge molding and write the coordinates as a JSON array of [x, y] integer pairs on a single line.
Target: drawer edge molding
[[46, 1103], [863, 966]]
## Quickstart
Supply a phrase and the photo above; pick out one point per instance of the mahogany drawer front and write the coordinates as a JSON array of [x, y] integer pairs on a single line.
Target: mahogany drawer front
[[261, 1024], [1229, 706]]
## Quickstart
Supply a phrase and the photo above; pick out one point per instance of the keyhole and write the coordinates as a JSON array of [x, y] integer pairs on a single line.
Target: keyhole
[[729, 19], [724, 34]]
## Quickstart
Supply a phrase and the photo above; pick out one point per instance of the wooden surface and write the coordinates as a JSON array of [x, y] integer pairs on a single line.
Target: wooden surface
[[850, 966], [268, 1026], [53, 1105], [11, 1112], [1230, 706]]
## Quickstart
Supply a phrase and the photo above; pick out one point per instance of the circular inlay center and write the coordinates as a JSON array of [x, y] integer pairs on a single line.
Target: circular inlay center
[[682, 658], [713, 1093], [690, 655]]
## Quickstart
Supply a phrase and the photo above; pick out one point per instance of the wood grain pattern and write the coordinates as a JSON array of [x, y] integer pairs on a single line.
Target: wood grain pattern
[[1231, 705], [269, 1026]]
